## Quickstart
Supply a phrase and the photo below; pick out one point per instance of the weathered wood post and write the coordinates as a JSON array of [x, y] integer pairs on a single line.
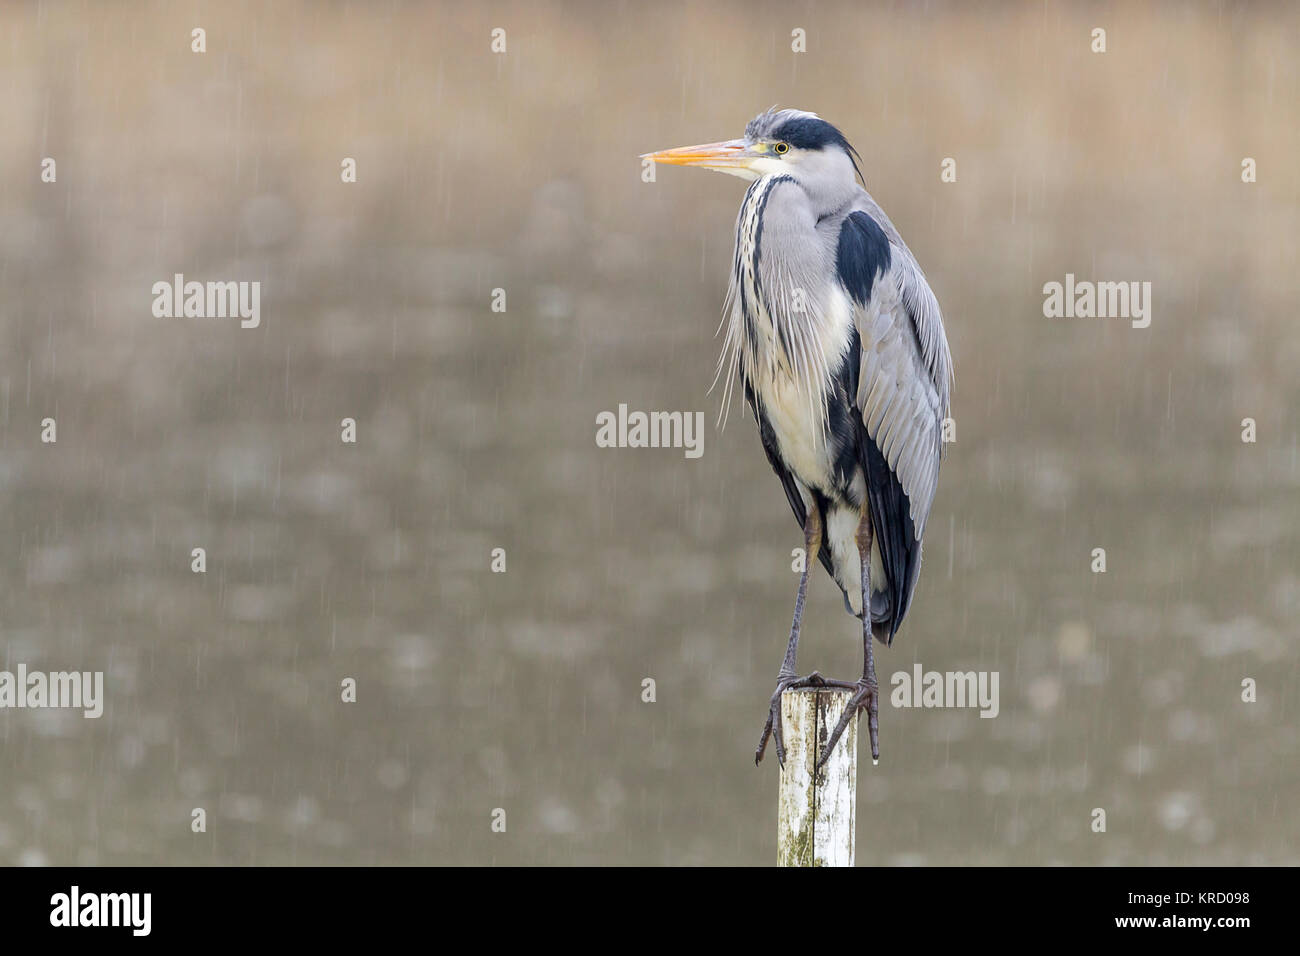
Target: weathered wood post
[[816, 810]]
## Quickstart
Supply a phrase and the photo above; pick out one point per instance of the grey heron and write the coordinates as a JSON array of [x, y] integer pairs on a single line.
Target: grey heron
[[838, 343]]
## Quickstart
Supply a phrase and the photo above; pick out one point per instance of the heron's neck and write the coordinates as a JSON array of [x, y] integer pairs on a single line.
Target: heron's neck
[[777, 322]]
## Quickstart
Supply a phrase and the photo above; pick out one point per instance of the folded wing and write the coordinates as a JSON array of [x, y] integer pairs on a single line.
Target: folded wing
[[904, 376]]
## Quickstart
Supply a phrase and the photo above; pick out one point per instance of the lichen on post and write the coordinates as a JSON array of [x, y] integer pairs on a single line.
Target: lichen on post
[[816, 810]]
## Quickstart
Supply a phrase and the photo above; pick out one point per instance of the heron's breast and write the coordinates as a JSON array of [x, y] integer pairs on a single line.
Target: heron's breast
[[800, 436], [803, 420]]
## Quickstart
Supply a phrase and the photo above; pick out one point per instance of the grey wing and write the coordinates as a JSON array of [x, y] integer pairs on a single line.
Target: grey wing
[[904, 378], [902, 390]]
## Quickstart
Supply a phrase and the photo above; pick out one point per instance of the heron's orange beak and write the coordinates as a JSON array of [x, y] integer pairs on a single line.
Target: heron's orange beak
[[732, 154]]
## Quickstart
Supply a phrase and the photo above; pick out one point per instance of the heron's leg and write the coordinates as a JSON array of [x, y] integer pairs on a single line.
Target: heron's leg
[[786, 677], [866, 690], [812, 538]]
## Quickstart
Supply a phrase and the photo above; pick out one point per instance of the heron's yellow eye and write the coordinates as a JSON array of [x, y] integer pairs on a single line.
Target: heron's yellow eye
[[782, 147]]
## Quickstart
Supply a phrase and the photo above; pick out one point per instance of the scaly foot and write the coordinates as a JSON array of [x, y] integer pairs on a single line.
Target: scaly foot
[[866, 694], [772, 728]]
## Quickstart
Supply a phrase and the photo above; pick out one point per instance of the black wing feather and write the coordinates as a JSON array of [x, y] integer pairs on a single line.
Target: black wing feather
[[891, 518]]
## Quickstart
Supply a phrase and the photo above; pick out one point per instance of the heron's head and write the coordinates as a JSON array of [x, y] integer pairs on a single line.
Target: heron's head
[[778, 142]]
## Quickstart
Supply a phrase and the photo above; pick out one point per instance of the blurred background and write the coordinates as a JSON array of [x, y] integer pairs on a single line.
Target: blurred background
[[522, 690]]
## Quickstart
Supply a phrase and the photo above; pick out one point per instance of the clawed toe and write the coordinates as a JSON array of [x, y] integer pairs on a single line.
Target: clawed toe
[[773, 726], [866, 695]]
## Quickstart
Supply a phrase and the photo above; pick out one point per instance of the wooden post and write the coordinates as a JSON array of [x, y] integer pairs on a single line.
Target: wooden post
[[816, 811]]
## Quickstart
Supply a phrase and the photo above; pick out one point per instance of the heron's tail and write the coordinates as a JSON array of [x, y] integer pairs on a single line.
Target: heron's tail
[[882, 617]]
